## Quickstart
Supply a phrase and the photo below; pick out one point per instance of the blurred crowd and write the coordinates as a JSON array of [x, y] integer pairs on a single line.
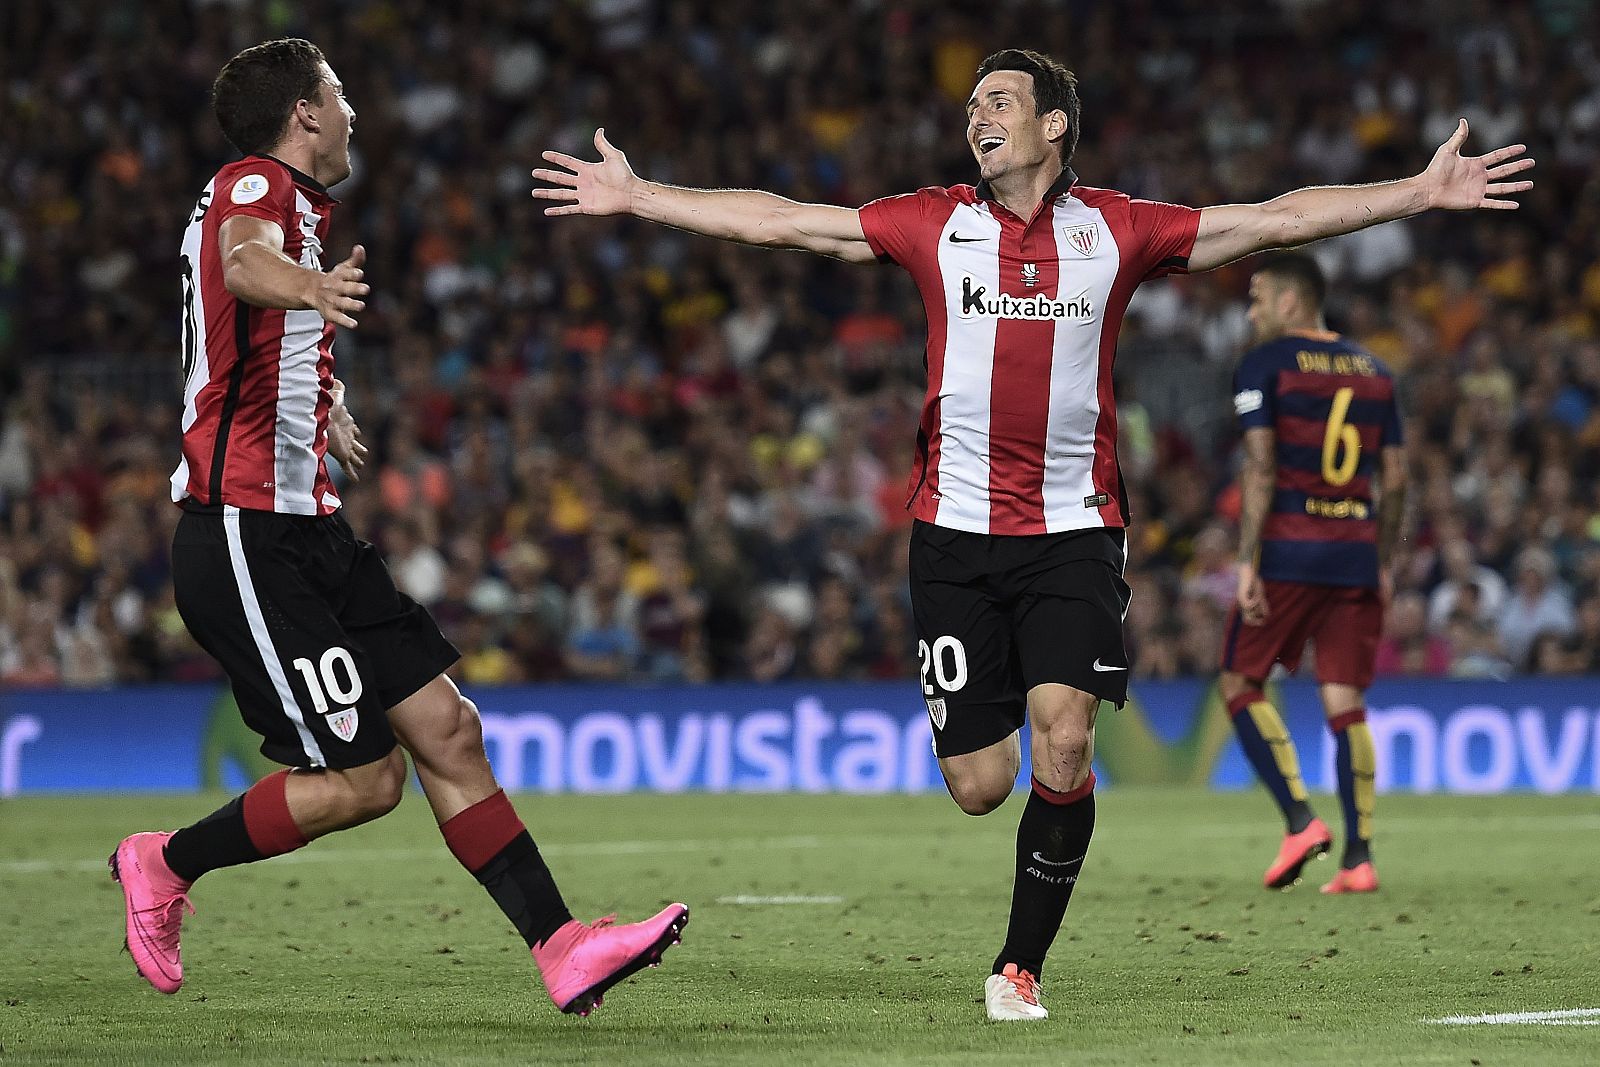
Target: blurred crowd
[[608, 451]]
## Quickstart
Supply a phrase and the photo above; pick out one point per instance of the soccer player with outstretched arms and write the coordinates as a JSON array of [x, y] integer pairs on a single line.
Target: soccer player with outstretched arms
[[1018, 547]]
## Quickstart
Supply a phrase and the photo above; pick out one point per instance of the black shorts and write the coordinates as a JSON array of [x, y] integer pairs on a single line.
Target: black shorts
[[305, 619], [998, 615]]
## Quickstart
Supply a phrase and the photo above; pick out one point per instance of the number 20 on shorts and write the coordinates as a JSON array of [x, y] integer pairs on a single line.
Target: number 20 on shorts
[[947, 659]]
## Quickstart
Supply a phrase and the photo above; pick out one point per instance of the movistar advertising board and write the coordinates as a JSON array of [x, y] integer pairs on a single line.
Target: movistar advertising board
[[1464, 737]]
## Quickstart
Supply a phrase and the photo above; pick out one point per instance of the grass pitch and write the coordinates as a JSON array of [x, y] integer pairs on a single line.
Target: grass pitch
[[825, 930]]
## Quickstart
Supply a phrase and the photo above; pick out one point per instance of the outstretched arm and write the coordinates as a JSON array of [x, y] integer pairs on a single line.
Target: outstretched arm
[[1452, 181], [746, 216]]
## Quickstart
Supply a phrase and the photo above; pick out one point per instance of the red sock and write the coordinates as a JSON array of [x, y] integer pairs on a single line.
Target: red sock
[[494, 846], [478, 834], [1072, 796], [267, 820], [1244, 700]]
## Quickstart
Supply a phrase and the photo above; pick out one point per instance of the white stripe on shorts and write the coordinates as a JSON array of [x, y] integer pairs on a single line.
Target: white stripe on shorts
[[263, 639]]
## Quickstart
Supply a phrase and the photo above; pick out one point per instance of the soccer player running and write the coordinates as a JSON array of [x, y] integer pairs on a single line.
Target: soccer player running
[[1017, 551], [333, 666], [1321, 431]]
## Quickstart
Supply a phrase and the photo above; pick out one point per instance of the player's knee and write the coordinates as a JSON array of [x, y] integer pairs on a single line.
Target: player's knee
[[463, 738], [977, 796], [382, 789], [1232, 685], [1067, 744]]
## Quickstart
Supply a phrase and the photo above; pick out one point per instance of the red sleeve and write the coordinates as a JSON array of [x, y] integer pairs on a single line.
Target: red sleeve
[[1166, 234], [258, 188], [896, 225]]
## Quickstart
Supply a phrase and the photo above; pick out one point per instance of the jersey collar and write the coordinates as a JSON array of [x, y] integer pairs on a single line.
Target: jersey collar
[[300, 176], [1059, 187], [1313, 335]]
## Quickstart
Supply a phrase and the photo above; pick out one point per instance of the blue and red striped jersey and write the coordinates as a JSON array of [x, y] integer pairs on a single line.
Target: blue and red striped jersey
[[1332, 408]]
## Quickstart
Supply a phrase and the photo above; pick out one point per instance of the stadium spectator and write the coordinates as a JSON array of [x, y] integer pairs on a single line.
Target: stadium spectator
[[1407, 646], [1462, 572], [524, 385], [1538, 605]]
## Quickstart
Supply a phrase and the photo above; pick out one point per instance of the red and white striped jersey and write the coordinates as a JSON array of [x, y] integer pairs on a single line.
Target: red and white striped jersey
[[1019, 426], [257, 381]]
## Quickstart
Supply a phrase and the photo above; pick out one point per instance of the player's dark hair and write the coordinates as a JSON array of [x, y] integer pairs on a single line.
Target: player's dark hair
[[1055, 88], [258, 89], [1298, 270]]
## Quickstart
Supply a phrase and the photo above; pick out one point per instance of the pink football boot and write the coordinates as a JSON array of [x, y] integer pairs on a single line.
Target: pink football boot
[[581, 961], [156, 899], [1362, 878], [1296, 851]]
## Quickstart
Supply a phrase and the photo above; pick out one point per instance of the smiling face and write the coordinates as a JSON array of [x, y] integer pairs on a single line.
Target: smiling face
[[1004, 129], [335, 119]]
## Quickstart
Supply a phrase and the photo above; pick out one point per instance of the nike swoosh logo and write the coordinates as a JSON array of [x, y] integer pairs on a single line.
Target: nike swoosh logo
[[1102, 667], [957, 239], [1059, 863]]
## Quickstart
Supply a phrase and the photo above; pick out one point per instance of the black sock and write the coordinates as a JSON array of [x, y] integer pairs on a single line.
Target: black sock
[[522, 885], [218, 840], [1052, 841]]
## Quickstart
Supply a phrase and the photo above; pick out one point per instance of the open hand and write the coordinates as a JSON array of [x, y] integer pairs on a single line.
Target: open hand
[[1464, 183], [344, 436], [338, 294], [583, 188]]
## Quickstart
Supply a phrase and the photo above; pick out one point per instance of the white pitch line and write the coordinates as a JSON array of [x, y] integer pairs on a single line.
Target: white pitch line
[[749, 900], [1449, 823], [1518, 823], [1564, 1017], [344, 855]]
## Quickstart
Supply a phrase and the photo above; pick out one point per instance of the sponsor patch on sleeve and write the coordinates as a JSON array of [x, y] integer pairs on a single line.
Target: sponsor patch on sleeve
[[249, 189], [1246, 402]]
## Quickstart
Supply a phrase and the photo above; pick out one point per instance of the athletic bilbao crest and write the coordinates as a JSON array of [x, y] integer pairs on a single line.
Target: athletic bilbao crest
[[1084, 238], [344, 724], [937, 712]]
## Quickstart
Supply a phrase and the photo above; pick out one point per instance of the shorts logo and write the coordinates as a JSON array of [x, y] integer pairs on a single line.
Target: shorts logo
[[1084, 238], [249, 189], [344, 724], [937, 711]]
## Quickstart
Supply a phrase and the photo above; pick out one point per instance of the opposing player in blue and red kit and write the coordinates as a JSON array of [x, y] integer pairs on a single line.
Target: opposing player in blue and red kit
[[1321, 433]]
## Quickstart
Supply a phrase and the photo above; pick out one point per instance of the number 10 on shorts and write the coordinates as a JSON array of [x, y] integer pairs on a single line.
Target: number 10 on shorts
[[947, 659], [330, 684]]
